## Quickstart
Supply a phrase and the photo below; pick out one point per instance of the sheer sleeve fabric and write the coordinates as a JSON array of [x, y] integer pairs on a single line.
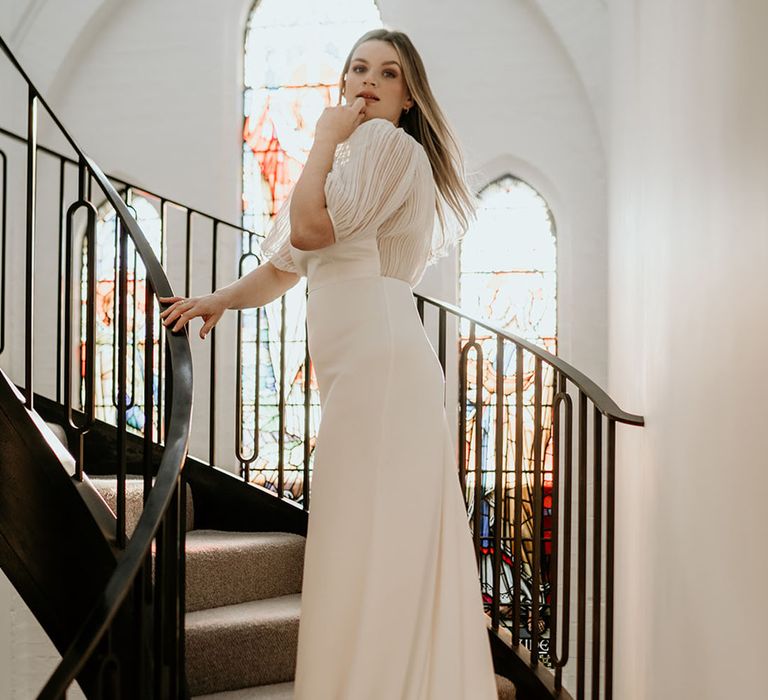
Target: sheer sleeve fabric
[[372, 176]]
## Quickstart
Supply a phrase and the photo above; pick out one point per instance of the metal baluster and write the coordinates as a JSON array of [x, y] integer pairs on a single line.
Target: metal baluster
[[536, 529], [115, 310], [518, 530], [582, 557], [610, 497], [187, 253], [90, 323], [441, 339], [212, 377], [307, 412], [122, 333], [559, 661], [149, 384], [181, 587], [281, 403], [498, 493], [478, 505], [463, 362], [30, 247], [60, 289], [245, 460], [597, 536]]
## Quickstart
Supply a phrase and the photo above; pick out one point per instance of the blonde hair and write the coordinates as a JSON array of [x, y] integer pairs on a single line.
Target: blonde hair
[[426, 123]]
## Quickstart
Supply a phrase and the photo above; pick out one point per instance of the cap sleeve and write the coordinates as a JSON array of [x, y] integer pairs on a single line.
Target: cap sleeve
[[372, 175]]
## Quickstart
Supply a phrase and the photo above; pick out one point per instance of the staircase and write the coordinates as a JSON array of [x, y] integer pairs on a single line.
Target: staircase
[[243, 603], [157, 574]]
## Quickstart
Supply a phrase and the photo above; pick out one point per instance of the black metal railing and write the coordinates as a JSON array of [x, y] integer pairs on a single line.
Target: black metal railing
[[523, 435], [534, 434], [133, 639]]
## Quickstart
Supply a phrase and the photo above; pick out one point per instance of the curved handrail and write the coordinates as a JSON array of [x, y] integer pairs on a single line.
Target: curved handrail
[[604, 403], [171, 464], [140, 189], [174, 454]]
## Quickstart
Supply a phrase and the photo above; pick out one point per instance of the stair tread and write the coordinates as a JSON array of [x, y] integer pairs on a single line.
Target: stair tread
[[205, 539], [275, 691], [106, 486], [284, 691], [248, 613]]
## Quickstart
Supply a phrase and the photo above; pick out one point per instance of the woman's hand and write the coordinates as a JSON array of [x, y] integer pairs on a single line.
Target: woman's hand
[[336, 124], [210, 307]]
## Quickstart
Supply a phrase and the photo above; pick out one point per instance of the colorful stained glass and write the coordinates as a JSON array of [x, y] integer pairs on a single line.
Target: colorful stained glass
[[294, 53], [106, 399], [509, 276]]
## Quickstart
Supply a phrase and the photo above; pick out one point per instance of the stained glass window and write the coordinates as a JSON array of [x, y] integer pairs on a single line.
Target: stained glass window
[[509, 276], [294, 53], [106, 399]]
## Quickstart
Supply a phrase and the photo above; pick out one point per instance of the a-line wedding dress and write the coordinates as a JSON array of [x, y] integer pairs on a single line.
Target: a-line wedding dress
[[391, 607]]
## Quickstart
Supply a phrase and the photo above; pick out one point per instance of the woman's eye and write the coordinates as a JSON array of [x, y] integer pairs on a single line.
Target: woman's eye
[[357, 69]]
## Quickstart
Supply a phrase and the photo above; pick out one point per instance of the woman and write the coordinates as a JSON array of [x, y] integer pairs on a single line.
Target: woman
[[391, 605]]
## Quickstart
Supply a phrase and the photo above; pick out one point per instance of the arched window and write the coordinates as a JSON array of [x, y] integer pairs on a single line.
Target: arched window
[[509, 262], [106, 399], [509, 277], [294, 52]]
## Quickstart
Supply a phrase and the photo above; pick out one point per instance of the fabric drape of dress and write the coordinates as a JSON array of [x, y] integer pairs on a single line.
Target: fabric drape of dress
[[391, 607]]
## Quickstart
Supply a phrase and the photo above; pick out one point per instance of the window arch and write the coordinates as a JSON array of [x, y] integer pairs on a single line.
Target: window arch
[[293, 55]]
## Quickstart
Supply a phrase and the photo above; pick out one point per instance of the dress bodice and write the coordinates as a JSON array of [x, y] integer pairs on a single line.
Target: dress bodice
[[345, 260]]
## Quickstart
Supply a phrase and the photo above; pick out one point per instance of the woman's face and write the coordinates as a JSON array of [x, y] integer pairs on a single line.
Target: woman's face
[[375, 70]]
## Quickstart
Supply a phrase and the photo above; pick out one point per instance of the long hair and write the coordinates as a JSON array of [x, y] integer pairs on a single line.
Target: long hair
[[426, 123]]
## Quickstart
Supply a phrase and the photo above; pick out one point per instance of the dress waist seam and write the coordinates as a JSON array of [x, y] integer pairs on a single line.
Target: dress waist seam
[[336, 281]]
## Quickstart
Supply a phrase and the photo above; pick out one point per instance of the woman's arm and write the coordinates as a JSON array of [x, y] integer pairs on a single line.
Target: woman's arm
[[311, 227], [259, 287]]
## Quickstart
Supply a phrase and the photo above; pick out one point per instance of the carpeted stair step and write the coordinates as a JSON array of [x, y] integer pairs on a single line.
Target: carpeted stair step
[[134, 499], [284, 691], [243, 645], [225, 568], [506, 688], [275, 691]]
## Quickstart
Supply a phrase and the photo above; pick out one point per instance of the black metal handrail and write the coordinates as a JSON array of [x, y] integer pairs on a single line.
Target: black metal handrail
[[166, 497], [605, 404]]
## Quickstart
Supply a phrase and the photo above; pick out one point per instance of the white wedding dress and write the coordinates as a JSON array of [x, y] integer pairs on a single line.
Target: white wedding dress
[[391, 607]]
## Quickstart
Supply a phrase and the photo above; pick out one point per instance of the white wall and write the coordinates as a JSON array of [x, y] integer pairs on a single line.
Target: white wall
[[152, 92], [689, 327]]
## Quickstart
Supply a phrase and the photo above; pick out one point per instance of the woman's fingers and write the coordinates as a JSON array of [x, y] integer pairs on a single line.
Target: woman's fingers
[[174, 302], [182, 310], [185, 317], [210, 322]]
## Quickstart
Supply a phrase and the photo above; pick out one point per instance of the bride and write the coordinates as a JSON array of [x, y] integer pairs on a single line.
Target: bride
[[390, 605]]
